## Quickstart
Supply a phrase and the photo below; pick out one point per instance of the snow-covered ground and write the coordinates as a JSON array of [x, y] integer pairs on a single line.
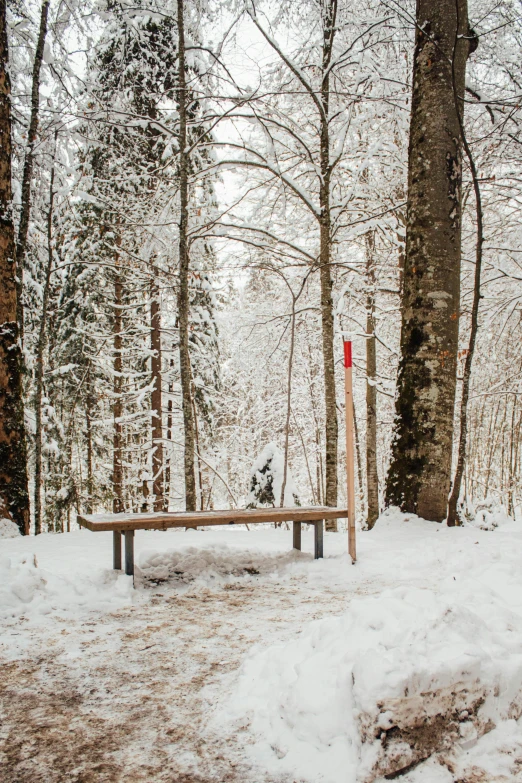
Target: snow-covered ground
[[236, 659]]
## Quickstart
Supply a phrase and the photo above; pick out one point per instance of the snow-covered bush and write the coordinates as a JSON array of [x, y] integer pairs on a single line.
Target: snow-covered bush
[[266, 480], [488, 514]]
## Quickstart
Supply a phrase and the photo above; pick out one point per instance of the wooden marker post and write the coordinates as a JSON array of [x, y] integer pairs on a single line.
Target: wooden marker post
[[350, 482]]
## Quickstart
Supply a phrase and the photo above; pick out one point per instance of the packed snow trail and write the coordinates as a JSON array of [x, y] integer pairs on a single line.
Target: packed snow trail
[[185, 679], [117, 696]]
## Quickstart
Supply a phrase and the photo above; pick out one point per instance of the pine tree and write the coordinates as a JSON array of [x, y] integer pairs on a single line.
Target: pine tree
[[14, 495]]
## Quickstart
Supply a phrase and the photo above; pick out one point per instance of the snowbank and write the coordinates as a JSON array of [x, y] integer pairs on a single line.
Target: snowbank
[[212, 565], [420, 649], [31, 591], [8, 529], [61, 574], [394, 679]]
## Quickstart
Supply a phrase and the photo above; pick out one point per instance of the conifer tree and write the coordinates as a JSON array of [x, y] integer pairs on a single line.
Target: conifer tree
[[14, 496]]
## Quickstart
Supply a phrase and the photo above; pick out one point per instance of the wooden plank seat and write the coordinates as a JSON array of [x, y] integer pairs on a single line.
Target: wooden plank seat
[[126, 524]]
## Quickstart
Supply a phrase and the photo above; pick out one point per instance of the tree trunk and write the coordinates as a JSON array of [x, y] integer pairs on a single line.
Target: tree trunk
[[372, 476], [184, 261], [156, 401], [196, 443], [511, 480], [117, 458], [492, 441], [169, 450], [288, 401], [14, 494], [332, 426], [358, 455], [25, 211], [419, 476], [89, 405], [466, 380], [39, 369]]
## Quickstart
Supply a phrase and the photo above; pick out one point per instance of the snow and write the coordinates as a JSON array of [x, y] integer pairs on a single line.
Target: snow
[[320, 706], [210, 564], [8, 528], [269, 466], [489, 514], [248, 661]]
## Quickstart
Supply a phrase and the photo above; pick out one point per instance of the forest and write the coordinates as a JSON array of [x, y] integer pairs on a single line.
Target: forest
[[204, 199], [201, 201]]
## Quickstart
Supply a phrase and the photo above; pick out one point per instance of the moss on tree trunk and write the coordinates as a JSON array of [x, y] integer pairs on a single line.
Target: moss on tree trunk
[[419, 476]]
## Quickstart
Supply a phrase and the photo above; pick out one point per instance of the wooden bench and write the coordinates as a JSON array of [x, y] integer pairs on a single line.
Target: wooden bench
[[126, 524]]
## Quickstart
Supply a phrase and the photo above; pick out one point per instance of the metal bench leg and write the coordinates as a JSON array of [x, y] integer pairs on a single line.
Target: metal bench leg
[[318, 539], [129, 552], [297, 535], [116, 550]]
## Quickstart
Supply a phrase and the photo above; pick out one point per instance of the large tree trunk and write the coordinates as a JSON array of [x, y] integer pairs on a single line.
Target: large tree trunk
[[184, 261], [327, 316], [25, 212], [156, 399], [117, 454], [14, 494], [419, 477], [372, 476], [39, 369]]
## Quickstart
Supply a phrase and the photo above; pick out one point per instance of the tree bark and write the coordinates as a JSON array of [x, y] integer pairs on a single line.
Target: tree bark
[[39, 369], [117, 456], [89, 405], [458, 92], [419, 476], [184, 263], [288, 401], [14, 494], [358, 455], [327, 316], [25, 212], [510, 506], [156, 399], [372, 476], [196, 444]]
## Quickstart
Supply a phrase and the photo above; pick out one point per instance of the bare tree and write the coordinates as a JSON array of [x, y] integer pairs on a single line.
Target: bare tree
[[25, 212], [461, 454], [39, 369]]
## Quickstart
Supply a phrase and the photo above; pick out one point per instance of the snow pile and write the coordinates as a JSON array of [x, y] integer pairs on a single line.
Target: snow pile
[[212, 565], [393, 680], [8, 529], [26, 589], [266, 480], [20, 583]]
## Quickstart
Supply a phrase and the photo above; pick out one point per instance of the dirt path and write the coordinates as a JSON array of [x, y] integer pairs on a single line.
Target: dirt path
[[126, 696]]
